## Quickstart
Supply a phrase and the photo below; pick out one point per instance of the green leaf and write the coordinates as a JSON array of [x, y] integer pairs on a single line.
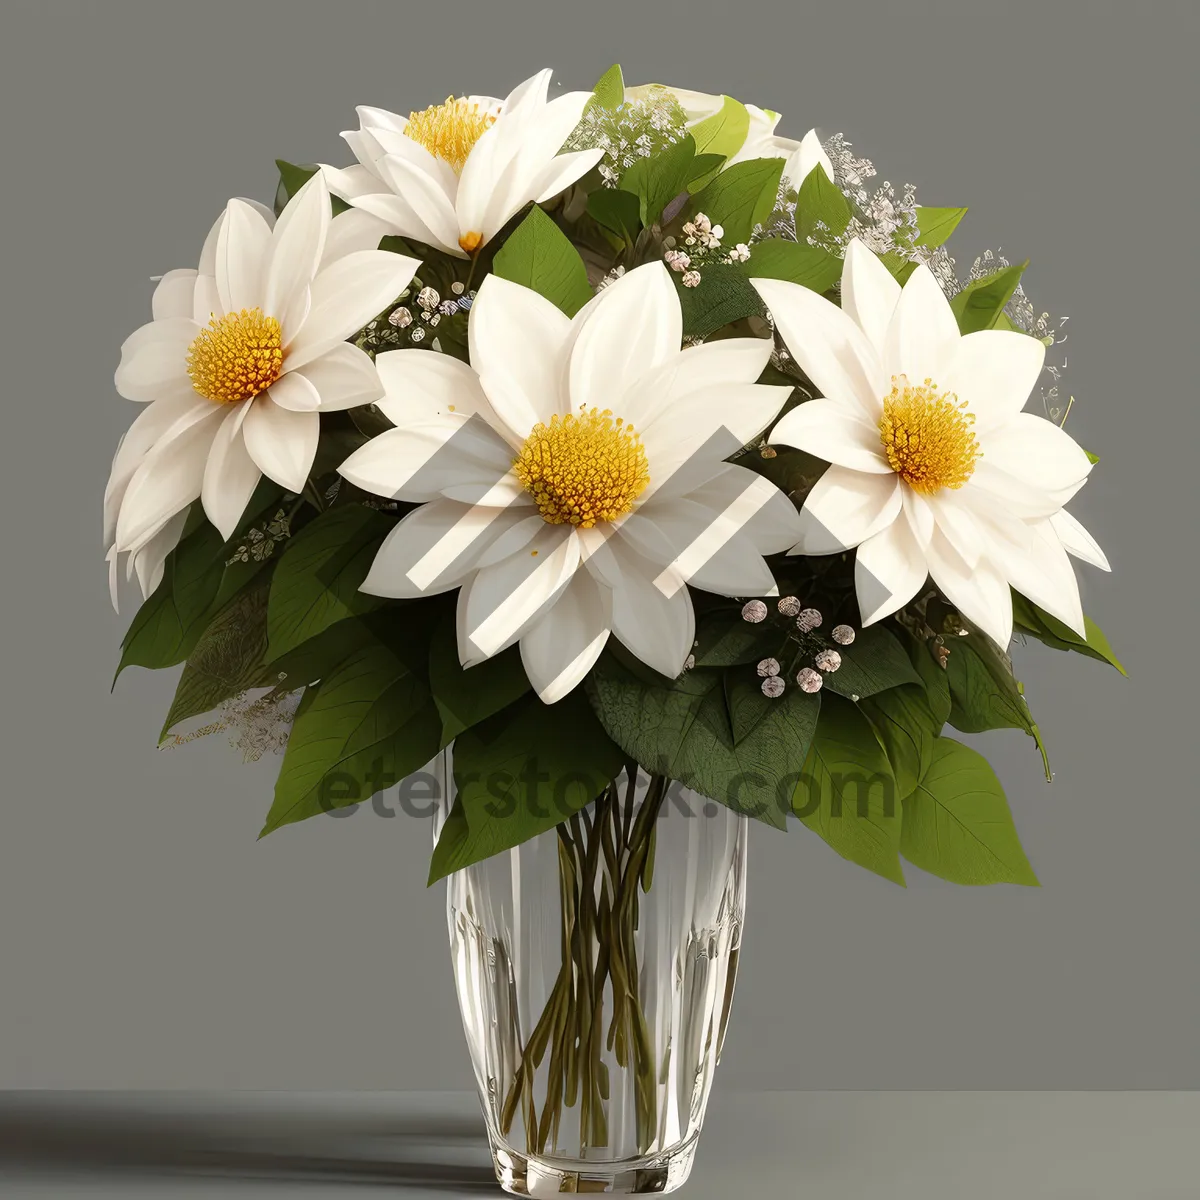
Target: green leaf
[[686, 731], [724, 133], [848, 792], [905, 723], [984, 693], [323, 654], [874, 662], [723, 295], [957, 824], [658, 179], [723, 639], [1052, 632], [797, 262], [292, 178], [980, 304], [226, 661], [467, 695], [316, 582], [935, 225], [368, 724], [618, 211], [538, 255], [610, 89], [821, 208], [522, 772], [740, 197]]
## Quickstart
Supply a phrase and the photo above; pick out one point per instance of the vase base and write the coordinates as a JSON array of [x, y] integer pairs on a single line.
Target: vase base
[[534, 1175]]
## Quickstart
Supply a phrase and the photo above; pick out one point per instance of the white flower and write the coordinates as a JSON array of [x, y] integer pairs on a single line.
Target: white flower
[[935, 470], [761, 140], [452, 175], [560, 521], [241, 356]]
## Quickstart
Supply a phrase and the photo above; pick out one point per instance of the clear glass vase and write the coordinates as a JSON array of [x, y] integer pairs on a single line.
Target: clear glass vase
[[595, 968]]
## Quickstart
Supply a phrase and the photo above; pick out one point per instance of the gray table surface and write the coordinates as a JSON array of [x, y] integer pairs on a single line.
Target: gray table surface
[[818, 1145]]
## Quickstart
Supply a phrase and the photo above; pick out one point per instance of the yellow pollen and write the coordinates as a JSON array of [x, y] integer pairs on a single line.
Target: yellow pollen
[[470, 242], [449, 131], [236, 356], [582, 469], [927, 436]]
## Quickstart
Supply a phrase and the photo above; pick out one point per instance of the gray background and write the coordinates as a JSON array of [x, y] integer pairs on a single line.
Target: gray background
[[147, 940]]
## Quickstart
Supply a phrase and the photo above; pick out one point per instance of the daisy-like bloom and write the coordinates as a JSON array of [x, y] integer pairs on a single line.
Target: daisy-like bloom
[[571, 479], [936, 471], [761, 139], [452, 175], [240, 358]]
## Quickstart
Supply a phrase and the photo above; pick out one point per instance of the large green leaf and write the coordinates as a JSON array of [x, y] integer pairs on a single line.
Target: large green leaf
[[227, 660], [797, 262], [981, 303], [906, 725], [686, 731], [659, 178], [821, 209], [957, 823], [848, 793], [316, 583], [609, 91], [724, 295], [723, 133], [467, 695], [368, 724], [522, 772], [740, 197], [984, 693], [874, 662], [619, 212], [1052, 632], [723, 639], [538, 255], [935, 225]]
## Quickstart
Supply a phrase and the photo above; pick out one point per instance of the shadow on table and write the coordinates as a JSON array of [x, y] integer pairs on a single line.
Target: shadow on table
[[430, 1144]]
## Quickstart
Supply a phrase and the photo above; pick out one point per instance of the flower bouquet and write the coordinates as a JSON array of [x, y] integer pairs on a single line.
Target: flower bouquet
[[627, 473]]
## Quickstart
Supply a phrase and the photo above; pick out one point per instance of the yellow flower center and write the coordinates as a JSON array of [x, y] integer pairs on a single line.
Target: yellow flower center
[[581, 469], [927, 436], [236, 356], [449, 131]]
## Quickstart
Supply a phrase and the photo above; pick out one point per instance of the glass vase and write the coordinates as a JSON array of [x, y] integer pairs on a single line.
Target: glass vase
[[595, 968]]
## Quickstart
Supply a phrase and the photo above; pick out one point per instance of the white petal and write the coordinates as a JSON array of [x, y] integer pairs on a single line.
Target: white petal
[[845, 508], [230, 475], [350, 232], [282, 442], [923, 332], [345, 296], [174, 294], [168, 479], [420, 461], [350, 183], [241, 258], [1077, 541], [830, 348], [835, 431], [154, 361], [1032, 558], [401, 217], [418, 384], [809, 154], [993, 371], [957, 524], [426, 195], [517, 341], [1036, 452], [560, 647], [889, 569], [343, 377], [296, 247], [981, 593], [295, 392], [149, 560], [869, 293], [658, 628], [562, 171], [435, 548], [635, 325], [991, 489], [502, 601], [206, 300]]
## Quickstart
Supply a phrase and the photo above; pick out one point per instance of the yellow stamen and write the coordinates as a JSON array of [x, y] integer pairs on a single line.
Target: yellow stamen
[[470, 242], [449, 131], [582, 469], [927, 436], [236, 356]]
